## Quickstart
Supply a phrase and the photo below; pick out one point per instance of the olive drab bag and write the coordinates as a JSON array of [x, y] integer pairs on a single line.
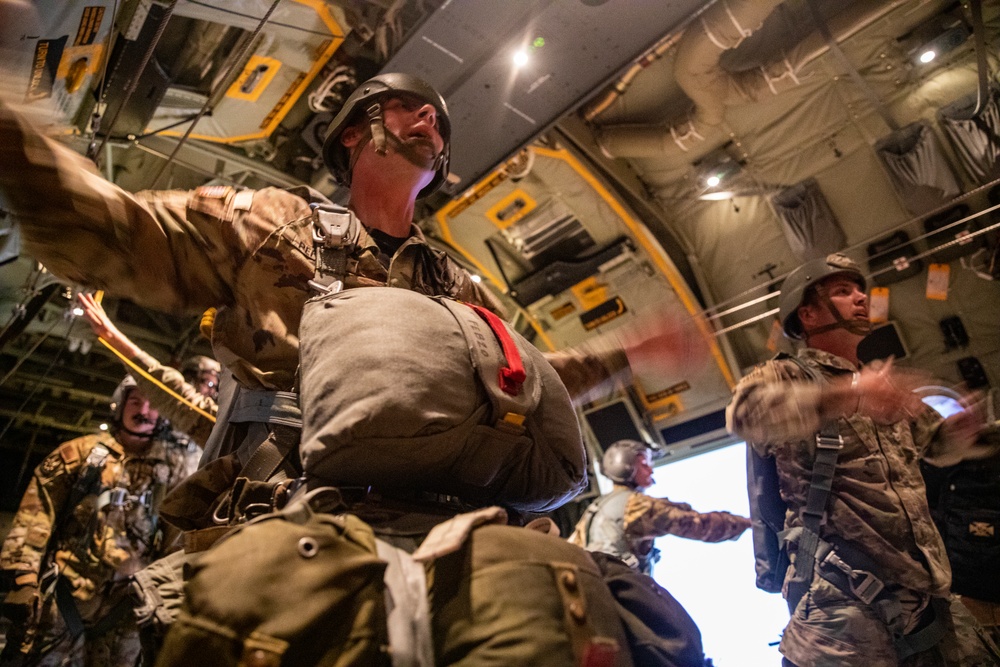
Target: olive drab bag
[[292, 588], [405, 392]]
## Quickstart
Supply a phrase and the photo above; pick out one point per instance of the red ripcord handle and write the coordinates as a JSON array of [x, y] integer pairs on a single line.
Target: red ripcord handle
[[512, 376]]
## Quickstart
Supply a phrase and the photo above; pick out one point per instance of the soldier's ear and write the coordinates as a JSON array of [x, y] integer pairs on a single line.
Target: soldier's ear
[[807, 315], [352, 134]]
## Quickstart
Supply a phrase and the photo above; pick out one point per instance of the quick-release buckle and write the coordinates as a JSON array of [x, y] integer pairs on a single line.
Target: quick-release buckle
[[829, 442], [863, 584]]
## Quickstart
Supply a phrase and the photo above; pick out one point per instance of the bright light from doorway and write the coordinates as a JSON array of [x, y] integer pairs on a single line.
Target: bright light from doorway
[[715, 582]]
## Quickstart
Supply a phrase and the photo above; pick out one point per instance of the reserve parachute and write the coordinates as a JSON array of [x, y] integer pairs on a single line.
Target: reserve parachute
[[408, 393]]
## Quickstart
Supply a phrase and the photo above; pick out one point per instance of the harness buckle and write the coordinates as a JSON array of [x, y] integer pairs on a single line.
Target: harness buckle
[[829, 442], [868, 588]]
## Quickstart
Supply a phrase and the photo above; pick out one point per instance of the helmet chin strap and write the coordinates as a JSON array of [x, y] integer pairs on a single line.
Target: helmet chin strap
[[135, 434], [856, 327], [382, 138]]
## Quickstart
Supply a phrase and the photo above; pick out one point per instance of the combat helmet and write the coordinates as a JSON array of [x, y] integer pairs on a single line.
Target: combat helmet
[[367, 99], [618, 462], [197, 369], [793, 290], [119, 396]]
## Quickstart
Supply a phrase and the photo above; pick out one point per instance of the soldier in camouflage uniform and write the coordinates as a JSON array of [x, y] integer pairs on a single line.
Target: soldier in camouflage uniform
[[877, 507], [197, 382], [625, 522], [251, 254], [87, 522]]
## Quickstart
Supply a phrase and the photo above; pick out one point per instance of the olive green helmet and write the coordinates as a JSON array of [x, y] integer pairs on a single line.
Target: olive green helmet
[[619, 461], [794, 288], [363, 101]]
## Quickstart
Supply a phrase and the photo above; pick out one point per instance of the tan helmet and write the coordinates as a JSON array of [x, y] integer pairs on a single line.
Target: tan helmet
[[793, 290], [366, 100]]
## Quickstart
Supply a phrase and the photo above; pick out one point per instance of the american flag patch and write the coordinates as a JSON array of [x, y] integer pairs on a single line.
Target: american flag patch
[[213, 191]]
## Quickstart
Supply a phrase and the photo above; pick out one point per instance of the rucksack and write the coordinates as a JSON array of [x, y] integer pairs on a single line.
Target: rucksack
[[294, 587], [409, 393]]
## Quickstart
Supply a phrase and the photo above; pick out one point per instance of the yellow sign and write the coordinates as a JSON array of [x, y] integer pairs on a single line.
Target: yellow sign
[[562, 311], [511, 208], [253, 80], [603, 313], [590, 293]]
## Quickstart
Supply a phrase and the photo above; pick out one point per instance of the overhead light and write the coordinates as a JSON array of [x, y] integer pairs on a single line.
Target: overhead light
[[935, 37], [520, 58], [716, 174], [717, 195], [103, 427], [475, 278], [78, 311]]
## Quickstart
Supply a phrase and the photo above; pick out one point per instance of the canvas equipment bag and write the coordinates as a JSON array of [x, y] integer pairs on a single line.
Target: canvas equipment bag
[[408, 393], [294, 588]]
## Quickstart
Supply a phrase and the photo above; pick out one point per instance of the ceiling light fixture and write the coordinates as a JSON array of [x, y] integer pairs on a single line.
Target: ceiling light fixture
[[520, 58], [928, 55]]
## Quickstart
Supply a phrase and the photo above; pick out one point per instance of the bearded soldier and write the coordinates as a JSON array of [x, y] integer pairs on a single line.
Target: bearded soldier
[[87, 522]]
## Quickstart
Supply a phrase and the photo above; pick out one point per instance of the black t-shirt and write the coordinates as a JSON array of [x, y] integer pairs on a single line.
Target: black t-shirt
[[387, 245]]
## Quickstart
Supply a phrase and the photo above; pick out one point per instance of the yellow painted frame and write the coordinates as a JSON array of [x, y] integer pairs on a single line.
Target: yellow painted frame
[[255, 61], [298, 86], [638, 231], [529, 205]]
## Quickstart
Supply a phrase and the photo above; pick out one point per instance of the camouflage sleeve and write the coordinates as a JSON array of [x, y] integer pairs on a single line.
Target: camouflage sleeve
[[591, 370], [177, 252], [182, 417], [775, 402], [653, 517], [48, 491]]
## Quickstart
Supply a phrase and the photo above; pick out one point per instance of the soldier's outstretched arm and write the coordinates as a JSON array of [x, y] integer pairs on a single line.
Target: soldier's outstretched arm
[[652, 517], [169, 250]]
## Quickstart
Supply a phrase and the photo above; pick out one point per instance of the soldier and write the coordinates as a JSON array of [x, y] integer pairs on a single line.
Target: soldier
[[87, 522], [254, 256], [870, 579], [197, 382], [625, 522]]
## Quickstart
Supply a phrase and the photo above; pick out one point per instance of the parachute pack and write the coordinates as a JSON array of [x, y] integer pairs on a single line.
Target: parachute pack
[[407, 393]]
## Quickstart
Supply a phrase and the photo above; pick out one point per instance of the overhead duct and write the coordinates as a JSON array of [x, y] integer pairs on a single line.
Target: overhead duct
[[700, 73]]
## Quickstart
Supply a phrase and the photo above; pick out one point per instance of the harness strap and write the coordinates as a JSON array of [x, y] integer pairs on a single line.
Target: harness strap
[[67, 607], [266, 407], [828, 445]]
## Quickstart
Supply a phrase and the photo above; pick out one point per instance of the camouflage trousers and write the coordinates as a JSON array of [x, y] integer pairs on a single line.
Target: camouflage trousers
[[829, 628], [55, 647]]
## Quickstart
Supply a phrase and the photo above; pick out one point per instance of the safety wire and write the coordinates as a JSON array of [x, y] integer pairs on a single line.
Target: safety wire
[[145, 374]]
